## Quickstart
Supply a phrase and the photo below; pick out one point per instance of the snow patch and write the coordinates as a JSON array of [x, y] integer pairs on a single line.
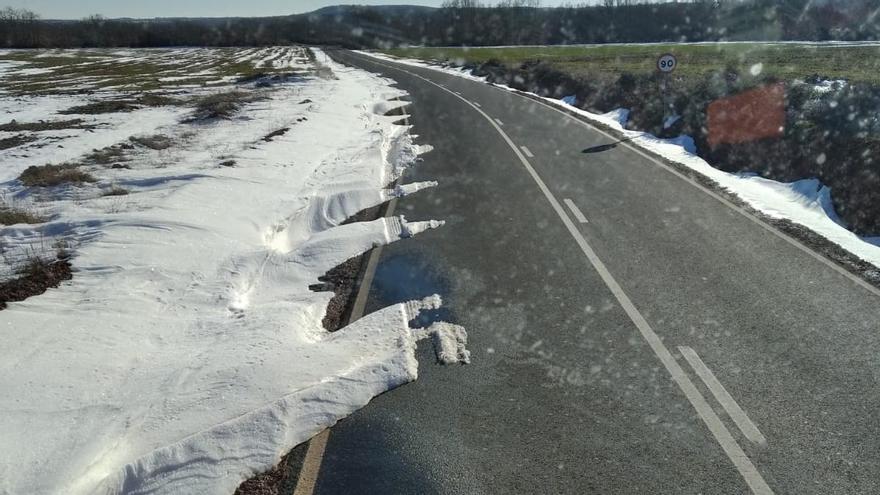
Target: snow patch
[[618, 116], [670, 120], [828, 85], [450, 343]]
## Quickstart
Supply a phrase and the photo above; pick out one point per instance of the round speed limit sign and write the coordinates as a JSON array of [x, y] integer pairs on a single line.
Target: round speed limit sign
[[666, 63]]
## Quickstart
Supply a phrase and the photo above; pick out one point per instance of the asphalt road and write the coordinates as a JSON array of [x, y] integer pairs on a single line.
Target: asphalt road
[[582, 380]]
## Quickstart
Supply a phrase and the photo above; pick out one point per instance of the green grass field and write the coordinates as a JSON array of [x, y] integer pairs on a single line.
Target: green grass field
[[785, 61]]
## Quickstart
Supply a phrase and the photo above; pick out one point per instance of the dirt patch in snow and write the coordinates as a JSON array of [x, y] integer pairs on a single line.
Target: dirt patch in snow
[[16, 140], [344, 279], [108, 155], [57, 125], [221, 105], [99, 107], [272, 135], [281, 479], [34, 278], [156, 142]]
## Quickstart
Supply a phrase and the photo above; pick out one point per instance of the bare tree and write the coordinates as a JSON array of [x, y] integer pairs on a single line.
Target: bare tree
[[21, 27]]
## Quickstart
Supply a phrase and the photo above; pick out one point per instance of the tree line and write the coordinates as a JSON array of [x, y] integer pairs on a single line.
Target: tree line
[[468, 22]]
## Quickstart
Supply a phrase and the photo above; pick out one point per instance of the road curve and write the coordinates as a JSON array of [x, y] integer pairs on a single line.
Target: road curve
[[630, 332]]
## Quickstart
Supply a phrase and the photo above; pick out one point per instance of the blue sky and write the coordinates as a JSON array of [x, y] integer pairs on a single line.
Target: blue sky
[[75, 9]]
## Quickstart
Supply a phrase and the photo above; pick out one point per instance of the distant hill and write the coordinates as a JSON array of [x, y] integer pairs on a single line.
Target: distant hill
[[394, 10], [390, 25]]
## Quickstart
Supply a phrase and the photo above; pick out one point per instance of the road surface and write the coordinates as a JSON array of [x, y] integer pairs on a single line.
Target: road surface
[[631, 333]]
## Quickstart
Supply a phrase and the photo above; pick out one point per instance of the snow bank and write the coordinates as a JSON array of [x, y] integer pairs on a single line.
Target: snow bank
[[806, 202], [188, 353]]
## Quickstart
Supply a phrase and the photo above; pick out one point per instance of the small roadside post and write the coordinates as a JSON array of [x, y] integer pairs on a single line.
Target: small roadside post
[[666, 63]]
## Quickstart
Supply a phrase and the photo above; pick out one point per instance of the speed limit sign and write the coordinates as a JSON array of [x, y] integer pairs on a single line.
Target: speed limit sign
[[666, 63]]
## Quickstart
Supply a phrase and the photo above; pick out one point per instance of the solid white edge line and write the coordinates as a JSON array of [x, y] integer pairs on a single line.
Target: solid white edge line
[[575, 211], [736, 413], [722, 435], [308, 474], [527, 152]]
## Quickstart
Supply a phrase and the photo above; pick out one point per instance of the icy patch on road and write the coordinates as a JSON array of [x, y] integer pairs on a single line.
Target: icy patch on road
[[188, 352], [805, 203]]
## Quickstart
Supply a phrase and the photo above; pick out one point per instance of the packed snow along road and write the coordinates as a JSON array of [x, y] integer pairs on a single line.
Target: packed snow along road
[[187, 352]]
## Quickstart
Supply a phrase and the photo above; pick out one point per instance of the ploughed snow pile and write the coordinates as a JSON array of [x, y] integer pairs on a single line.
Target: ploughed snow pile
[[188, 353], [806, 202]]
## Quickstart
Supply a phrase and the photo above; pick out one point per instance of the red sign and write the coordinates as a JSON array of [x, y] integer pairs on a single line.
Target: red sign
[[749, 116]]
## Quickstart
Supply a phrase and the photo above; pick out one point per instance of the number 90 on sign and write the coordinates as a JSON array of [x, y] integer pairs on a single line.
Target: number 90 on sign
[[666, 63]]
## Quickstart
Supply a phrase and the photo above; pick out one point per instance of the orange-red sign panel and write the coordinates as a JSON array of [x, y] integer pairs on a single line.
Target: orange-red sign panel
[[749, 116]]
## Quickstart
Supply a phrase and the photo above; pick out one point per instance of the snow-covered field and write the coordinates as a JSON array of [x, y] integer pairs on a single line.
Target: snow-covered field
[[187, 352], [806, 202]]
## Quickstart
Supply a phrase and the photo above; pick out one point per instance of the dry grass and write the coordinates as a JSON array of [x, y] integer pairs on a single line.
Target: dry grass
[[17, 140], [156, 100], [108, 155], [12, 215], [14, 126], [98, 107], [54, 175], [36, 276], [115, 191], [221, 105], [272, 135], [156, 142]]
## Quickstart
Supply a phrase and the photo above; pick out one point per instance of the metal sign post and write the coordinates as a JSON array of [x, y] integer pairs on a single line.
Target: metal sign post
[[666, 63]]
